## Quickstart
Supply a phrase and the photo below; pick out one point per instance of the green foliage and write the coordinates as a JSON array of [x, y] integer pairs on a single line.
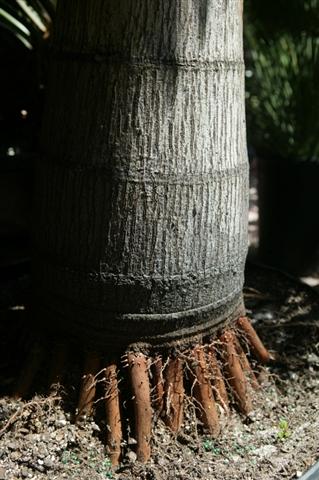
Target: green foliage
[[276, 17], [235, 449], [282, 93], [104, 467], [283, 430], [209, 446], [70, 457]]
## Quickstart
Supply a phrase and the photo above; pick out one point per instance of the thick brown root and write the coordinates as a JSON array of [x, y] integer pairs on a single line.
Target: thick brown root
[[211, 366], [158, 385], [257, 347], [235, 374], [138, 365], [246, 365], [88, 387], [203, 392], [174, 398], [113, 414], [217, 380]]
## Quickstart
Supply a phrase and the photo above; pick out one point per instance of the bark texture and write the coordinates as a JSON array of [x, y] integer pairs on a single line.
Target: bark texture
[[142, 185]]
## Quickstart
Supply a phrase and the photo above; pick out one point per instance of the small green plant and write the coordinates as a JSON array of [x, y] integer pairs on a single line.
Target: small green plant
[[105, 468], [283, 430], [242, 449], [209, 446], [70, 457]]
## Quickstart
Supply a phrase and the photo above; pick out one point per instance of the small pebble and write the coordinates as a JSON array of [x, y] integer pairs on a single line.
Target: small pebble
[[95, 427], [131, 441], [60, 423], [131, 456], [48, 463], [25, 473], [15, 456]]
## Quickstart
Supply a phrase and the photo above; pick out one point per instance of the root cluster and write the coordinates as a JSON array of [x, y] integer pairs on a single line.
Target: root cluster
[[214, 374]]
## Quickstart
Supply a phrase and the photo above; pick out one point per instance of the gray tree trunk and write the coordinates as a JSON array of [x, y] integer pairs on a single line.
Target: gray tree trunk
[[142, 185]]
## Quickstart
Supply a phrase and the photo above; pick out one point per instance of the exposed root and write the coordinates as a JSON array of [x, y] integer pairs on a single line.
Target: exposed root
[[158, 385], [214, 372], [217, 380], [113, 414], [174, 398], [203, 392], [257, 347], [142, 404], [235, 374], [88, 387], [245, 365]]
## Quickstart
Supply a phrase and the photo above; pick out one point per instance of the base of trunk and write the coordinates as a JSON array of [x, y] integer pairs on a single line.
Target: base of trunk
[[105, 330], [212, 372]]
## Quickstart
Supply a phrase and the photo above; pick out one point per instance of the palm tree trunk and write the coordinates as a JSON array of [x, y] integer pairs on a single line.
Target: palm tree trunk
[[141, 231], [142, 184]]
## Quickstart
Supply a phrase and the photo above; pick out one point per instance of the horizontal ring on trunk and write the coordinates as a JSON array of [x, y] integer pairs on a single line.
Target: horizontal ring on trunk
[[101, 329]]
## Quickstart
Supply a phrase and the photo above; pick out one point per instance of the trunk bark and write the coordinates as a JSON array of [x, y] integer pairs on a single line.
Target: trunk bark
[[142, 185]]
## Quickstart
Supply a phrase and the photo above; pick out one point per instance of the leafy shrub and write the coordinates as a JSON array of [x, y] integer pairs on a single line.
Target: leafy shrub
[[282, 81]]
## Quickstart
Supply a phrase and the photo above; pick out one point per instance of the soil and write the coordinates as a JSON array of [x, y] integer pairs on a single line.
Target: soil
[[279, 440]]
